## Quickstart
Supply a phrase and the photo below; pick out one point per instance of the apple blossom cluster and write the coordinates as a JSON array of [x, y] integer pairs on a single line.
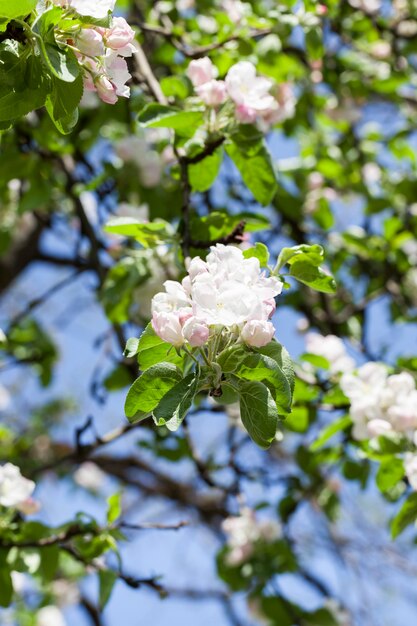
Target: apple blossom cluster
[[226, 293], [381, 404], [16, 491], [101, 51], [332, 349], [255, 98], [244, 532]]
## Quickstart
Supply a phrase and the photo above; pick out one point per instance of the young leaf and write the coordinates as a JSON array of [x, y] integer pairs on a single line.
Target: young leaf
[[280, 354], [149, 234], [407, 515], [16, 8], [203, 174], [264, 369], [256, 168], [313, 276], [149, 389], [114, 507], [160, 116], [107, 579], [132, 346], [304, 252], [61, 63], [230, 359], [152, 350], [173, 407], [389, 473], [260, 252], [258, 412]]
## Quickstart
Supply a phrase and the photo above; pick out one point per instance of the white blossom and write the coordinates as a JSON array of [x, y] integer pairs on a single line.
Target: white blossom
[[244, 531], [410, 466], [332, 349], [380, 404], [50, 616], [93, 8], [14, 488], [89, 476]]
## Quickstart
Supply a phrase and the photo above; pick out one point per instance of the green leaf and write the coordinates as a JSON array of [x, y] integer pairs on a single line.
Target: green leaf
[[173, 407], [149, 389], [230, 359], [407, 515], [264, 369], [49, 562], [297, 420], [107, 579], [6, 585], [132, 347], [304, 252], [255, 166], [149, 234], [329, 431], [203, 174], [313, 277], [152, 350], [17, 99], [389, 473], [160, 116], [114, 507], [280, 354], [16, 8], [258, 412], [62, 63], [62, 103], [260, 252], [220, 223]]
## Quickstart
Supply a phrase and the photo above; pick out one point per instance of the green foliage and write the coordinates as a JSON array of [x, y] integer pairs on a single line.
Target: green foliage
[[149, 389], [249, 153]]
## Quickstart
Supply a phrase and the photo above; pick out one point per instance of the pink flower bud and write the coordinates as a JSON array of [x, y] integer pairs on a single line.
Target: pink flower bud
[[90, 42], [106, 90], [213, 93], [201, 71], [257, 333], [167, 326], [196, 332], [119, 35]]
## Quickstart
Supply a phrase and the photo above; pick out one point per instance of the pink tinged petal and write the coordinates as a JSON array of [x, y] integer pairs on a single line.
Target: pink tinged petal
[[106, 90], [119, 35], [201, 71], [258, 333], [167, 326], [196, 332], [213, 93]]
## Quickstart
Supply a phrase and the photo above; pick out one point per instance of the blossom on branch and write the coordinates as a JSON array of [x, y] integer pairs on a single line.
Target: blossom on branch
[[15, 490], [227, 292]]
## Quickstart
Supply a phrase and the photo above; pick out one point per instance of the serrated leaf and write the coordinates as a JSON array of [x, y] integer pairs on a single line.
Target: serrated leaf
[[313, 277], [173, 407], [276, 351], [152, 350], [264, 369], [258, 412], [149, 389], [61, 63]]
